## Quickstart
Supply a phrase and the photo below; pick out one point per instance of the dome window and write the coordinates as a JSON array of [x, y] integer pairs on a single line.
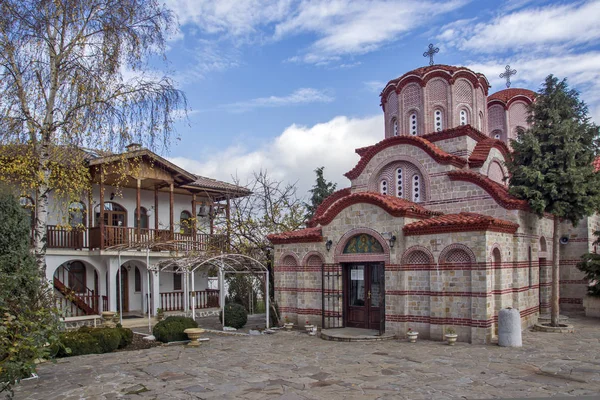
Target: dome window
[[399, 182], [438, 120], [395, 126], [463, 117], [416, 195], [413, 123], [383, 187]]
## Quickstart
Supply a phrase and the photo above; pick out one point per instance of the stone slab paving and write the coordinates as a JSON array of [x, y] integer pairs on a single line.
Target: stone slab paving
[[297, 366]]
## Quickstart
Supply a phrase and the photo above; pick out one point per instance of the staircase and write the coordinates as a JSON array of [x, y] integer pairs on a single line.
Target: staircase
[[79, 303]]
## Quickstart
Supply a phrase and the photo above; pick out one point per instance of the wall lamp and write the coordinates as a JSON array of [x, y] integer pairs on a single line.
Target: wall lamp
[[328, 244], [390, 237]]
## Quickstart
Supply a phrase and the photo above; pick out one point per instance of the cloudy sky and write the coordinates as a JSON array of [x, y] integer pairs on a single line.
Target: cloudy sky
[[290, 85]]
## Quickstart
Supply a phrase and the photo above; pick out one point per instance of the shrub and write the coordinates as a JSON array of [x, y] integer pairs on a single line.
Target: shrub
[[77, 344], [171, 329], [126, 337], [108, 338], [236, 315]]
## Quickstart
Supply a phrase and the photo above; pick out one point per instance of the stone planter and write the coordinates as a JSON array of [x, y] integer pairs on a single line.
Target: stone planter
[[194, 335], [108, 319], [313, 331], [288, 326], [591, 305], [309, 327], [412, 336], [451, 338]]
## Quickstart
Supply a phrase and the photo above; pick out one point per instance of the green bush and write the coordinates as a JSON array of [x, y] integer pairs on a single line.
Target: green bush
[[236, 315], [77, 344], [171, 329], [126, 337], [108, 338]]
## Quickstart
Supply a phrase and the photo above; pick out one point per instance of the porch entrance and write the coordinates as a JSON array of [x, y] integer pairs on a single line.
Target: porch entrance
[[364, 288], [124, 291]]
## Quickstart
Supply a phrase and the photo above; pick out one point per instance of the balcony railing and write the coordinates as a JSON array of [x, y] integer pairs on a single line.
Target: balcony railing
[[173, 301], [124, 237]]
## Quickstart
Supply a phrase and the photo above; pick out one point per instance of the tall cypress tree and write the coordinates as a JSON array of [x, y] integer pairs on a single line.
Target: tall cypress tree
[[551, 164], [320, 191]]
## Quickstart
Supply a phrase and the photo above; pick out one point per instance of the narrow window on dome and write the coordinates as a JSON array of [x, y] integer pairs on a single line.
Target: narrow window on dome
[[399, 183], [383, 187], [395, 126], [416, 195], [412, 120], [437, 117], [463, 117], [480, 122], [497, 134]]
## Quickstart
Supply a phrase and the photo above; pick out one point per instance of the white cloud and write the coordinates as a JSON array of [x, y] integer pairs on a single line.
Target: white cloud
[[531, 30], [299, 96], [208, 56], [293, 155], [374, 86], [339, 27]]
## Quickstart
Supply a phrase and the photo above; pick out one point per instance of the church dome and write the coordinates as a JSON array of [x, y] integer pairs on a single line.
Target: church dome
[[434, 98], [507, 112], [507, 96]]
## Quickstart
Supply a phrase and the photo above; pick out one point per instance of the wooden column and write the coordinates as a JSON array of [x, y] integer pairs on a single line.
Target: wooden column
[[194, 218], [138, 202], [90, 208], [228, 217], [101, 222], [171, 217], [155, 207]]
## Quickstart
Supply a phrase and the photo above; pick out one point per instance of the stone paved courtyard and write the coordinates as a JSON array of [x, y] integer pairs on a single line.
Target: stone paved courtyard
[[296, 366]]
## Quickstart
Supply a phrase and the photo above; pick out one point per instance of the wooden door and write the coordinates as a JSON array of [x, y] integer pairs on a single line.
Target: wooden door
[[124, 291], [364, 295]]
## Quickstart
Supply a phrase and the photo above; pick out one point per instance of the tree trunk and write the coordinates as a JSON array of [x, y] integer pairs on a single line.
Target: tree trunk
[[554, 310], [41, 210]]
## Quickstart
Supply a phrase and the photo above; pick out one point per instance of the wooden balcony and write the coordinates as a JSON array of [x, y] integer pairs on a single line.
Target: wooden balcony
[[117, 237]]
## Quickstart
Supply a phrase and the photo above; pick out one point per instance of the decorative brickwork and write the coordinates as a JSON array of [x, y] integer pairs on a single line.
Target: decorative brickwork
[[506, 96], [496, 173], [417, 255], [457, 253], [482, 150], [517, 118]]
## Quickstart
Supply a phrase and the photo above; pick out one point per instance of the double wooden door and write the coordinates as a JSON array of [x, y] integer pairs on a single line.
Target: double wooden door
[[365, 295]]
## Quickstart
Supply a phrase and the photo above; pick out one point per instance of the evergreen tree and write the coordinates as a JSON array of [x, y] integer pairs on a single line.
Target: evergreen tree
[[590, 265], [28, 320], [320, 191], [551, 164]]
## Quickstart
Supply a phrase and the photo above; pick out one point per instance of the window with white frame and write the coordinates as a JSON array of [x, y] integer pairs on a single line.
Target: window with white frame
[[416, 195], [395, 126], [383, 187], [412, 119], [438, 120], [399, 182], [463, 117]]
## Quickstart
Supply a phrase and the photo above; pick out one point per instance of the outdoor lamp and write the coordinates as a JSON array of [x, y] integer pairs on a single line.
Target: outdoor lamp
[[390, 237], [328, 244], [149, 211]]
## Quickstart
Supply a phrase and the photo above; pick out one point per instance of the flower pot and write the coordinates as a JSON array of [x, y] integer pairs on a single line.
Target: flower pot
[[313, 331], [108, 318], [288, 326], [308, 327], [194, 335], [451, 338], [412, 336]]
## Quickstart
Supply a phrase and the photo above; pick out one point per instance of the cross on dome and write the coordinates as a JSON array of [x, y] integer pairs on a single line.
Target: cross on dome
[[507, 74], [430, 52]]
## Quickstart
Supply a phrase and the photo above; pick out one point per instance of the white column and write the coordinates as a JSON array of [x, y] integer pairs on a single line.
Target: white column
[[102, 287], [113, 268], [155, 291]]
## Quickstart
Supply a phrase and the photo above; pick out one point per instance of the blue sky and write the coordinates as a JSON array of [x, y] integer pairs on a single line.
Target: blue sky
[[290, 85]]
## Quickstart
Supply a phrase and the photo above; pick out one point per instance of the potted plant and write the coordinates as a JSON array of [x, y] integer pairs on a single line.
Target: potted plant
[[287, 324], [412, 335], [160, 314], [451, 336], [308, 326]]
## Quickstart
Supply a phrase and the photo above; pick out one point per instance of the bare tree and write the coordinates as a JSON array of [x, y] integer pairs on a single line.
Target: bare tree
[[75, 73]]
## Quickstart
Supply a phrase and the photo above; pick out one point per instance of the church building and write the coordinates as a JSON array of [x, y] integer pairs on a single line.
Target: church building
[[426, 236]]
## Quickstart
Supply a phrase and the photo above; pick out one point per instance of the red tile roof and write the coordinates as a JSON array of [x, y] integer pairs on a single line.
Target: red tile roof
[[462, 130], [463, 222], [435, 152], [394, 206], [505, 96], [307, 235], [496, 190], [482, 151], [335, 196]]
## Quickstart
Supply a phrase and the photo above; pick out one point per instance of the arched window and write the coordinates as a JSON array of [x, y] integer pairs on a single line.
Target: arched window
[[138, 280], [114, 214], [383, 187], [417, 257], [143, 218], [496, 258], [480, 121], [399, 183], [457, 256], [438, 118], [395, 127], [77, 214], [412, 120], [416, 192], [464, 120], [185, 223], [543, 246], [27, 203], [497, 134], [362, 243]]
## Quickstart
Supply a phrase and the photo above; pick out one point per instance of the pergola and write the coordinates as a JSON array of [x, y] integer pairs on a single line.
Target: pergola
[[188, 263], [225, 264]]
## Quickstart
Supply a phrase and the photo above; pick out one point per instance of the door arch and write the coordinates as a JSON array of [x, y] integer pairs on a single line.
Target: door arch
[[114, 214]]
